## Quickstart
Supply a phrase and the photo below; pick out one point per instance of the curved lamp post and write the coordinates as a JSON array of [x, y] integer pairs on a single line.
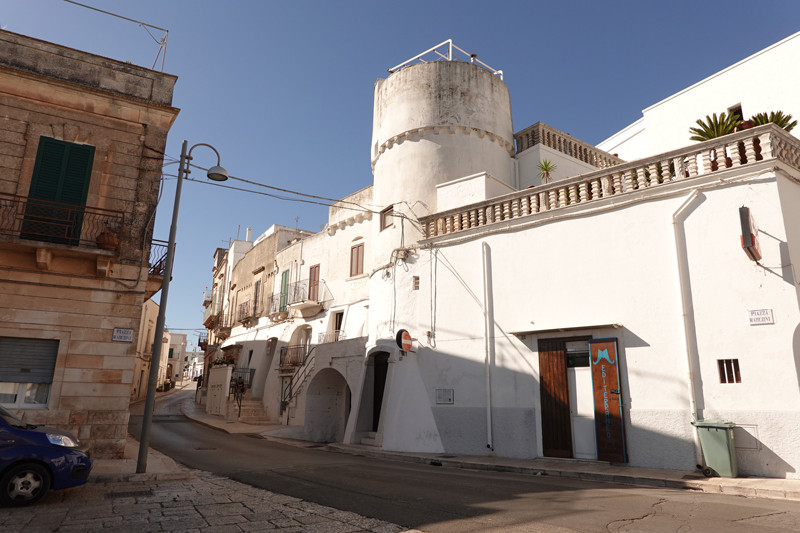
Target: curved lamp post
[[215, 173]]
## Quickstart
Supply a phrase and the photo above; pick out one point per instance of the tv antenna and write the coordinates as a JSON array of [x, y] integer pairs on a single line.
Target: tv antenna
[[162, 44]]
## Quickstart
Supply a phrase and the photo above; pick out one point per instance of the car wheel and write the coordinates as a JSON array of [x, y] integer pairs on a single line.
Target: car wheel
[[24, 484]]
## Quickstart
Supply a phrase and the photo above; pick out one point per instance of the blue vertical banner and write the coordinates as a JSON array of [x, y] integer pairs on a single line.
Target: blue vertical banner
[[609, 423]]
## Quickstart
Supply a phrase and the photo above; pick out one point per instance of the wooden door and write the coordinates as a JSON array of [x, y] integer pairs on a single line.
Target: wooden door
[[556, 419], [607, 401]]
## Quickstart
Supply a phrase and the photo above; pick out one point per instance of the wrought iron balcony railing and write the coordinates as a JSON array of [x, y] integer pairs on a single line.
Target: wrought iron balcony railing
[[249, 309], [333, 336], [59, 223], [158, 257], [294, 355]]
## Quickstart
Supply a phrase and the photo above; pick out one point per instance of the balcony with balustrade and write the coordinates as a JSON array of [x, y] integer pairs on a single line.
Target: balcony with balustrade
[[304, 296], [333, 336], [294, 356], [541, 133], [247, 313], [625, 183]]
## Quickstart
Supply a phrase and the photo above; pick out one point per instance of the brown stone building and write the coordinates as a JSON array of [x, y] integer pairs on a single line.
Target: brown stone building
[[82, 139]]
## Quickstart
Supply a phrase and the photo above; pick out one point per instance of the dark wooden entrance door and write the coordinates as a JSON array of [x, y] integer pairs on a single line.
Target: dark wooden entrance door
[[381, 367], [556, 421]]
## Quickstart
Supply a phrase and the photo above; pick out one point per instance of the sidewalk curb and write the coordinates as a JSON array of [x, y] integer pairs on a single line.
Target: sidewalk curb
[[742, 487], [128, 478], [709, 485]]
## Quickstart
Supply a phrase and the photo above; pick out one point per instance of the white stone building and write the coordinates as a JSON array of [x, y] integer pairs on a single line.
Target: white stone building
[[593, 317]]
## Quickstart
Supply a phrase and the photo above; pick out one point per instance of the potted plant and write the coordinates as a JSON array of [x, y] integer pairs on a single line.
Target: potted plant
[[107, 240], [779, 118], [546, 169], [714, 127]]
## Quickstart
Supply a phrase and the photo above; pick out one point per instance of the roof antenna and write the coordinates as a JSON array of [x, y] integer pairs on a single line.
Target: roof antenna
[[162, 44]]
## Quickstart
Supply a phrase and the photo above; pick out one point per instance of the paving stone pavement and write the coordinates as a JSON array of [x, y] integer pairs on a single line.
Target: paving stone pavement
[[205, 504]]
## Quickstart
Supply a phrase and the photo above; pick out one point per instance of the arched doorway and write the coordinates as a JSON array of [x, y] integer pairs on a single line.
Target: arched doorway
[[327, 406]]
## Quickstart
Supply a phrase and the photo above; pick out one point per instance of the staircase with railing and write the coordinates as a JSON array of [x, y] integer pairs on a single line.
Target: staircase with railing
[[297, 381]]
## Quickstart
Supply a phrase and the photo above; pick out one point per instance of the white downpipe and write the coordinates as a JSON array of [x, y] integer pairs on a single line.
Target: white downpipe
[[489, 345], [688, 322]]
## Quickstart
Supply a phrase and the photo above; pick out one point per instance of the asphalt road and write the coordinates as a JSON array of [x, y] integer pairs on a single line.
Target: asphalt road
[[440, 499]]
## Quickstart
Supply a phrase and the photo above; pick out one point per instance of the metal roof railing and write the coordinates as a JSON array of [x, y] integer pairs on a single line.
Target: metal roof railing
[[444, 52]]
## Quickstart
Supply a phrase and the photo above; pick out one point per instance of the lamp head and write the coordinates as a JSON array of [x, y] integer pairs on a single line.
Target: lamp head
[[217, 173]]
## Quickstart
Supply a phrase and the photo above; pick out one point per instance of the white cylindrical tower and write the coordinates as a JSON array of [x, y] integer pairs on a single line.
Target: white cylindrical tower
[[435, 122]]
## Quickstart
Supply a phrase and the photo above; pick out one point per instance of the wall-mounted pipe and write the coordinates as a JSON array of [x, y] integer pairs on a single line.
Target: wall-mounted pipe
[[488, 329], [688, 314]]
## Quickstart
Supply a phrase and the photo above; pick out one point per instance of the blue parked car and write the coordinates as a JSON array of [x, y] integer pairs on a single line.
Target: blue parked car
[[35, 459]]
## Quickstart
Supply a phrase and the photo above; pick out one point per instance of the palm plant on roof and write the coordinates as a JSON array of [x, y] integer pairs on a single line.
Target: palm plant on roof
[[714, 127], [546, 169], [781, 119]]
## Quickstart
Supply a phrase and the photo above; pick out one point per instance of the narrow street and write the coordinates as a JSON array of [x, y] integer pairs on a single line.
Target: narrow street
[[439, 499]]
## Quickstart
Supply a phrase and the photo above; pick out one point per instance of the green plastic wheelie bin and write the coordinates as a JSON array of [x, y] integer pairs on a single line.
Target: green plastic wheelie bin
[[719, 451]]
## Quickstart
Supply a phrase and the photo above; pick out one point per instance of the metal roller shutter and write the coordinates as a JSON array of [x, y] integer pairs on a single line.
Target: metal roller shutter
[[27, 360]]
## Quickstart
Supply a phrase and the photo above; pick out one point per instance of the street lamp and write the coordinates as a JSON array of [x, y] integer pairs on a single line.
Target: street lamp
[[215, 173]]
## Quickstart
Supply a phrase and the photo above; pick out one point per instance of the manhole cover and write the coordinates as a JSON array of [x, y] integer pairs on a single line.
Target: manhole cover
[[206, 448], [132, 494]]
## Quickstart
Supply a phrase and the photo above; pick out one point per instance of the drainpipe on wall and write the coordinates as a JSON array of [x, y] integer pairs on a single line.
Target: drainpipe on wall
[[488, 321], [688, 318], [516, 173]]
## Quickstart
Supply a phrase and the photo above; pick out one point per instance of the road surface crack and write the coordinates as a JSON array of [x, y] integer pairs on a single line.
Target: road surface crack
[[759, 516], [628, 521]]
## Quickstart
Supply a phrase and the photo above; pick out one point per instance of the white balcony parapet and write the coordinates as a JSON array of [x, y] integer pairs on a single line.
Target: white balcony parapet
[[740, 149], [541, 133]]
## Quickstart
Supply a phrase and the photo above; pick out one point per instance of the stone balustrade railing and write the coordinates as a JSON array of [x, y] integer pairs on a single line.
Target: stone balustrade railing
[[541, 133], [740, 150]]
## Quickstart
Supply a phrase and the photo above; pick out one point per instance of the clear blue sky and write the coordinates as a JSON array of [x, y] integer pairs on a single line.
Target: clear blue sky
[[284, 89]]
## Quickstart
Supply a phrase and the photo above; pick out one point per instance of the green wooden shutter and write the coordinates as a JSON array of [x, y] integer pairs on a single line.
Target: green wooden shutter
[[61, 174], [284, 289], [62, 171]]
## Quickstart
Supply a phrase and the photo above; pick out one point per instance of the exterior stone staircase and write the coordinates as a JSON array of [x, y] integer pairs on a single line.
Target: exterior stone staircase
[[252, 412]]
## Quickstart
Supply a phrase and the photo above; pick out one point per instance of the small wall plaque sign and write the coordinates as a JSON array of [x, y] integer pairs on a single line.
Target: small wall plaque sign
[[760, 316], [445, 396], [122, 335]]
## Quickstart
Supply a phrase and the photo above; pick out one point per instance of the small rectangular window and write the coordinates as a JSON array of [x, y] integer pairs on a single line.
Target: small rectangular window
[[415, 283], [729, 371], [357, 260], [387, 217], [736, 111]]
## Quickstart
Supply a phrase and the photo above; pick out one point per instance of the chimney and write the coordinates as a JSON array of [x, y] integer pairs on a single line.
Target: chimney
[[249, 235]]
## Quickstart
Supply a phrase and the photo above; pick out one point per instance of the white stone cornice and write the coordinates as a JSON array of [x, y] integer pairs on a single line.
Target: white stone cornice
[[398, 139]]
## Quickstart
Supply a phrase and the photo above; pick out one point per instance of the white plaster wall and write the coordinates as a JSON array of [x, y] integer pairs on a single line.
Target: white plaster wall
[[762, 82], [619, 268], [469, 190], [630, 143], [566, 166]]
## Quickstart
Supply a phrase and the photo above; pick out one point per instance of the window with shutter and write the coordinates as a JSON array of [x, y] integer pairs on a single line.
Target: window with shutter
[[313, 283], [357, 260], [60, 176], [26, 371]]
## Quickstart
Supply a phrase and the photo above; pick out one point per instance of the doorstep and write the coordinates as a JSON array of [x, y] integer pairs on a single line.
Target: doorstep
[[780, 489]]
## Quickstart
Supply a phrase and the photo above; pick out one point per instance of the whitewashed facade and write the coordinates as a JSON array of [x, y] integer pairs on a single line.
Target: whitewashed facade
[[496, 275]]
